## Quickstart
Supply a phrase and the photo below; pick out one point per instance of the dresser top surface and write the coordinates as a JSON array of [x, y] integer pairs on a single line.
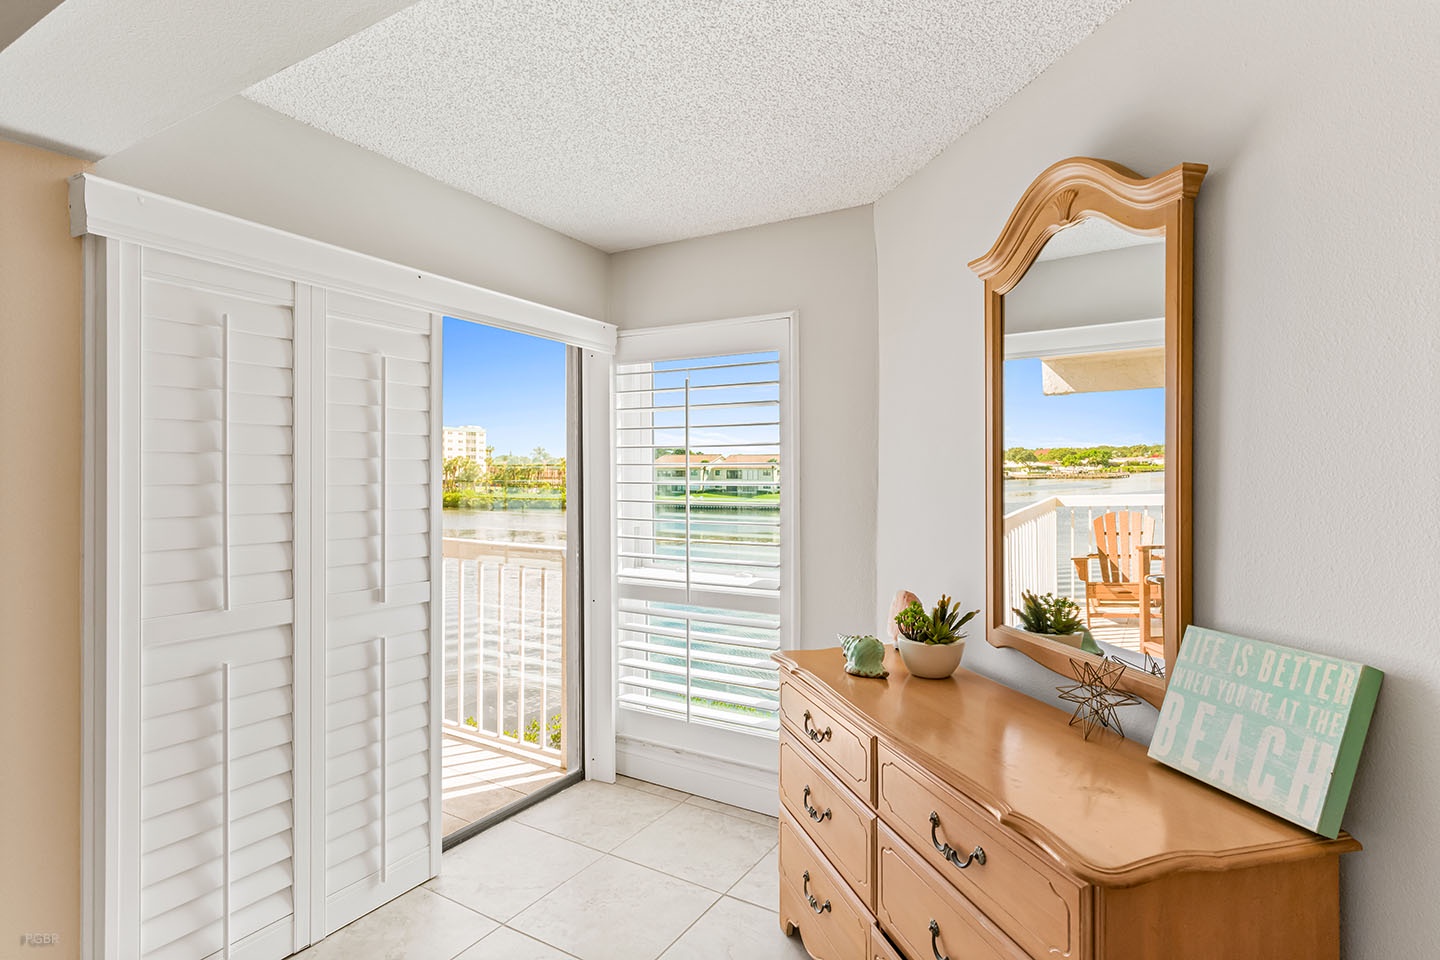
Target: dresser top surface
[[1103, 808]]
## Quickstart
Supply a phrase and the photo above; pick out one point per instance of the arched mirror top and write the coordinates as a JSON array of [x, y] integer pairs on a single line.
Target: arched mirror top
[[1073, 190]]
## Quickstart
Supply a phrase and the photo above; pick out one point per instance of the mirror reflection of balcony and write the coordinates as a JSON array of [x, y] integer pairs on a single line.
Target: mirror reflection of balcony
[[1056, 544]]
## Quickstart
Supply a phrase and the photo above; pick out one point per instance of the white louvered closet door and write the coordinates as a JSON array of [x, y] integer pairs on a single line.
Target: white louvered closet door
[[211, 787], [377, 762]]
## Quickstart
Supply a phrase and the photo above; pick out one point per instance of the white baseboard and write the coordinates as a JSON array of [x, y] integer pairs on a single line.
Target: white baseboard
[[739, 784]]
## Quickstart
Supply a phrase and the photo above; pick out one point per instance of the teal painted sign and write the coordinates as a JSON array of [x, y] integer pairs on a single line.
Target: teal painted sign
[[1277, 727]]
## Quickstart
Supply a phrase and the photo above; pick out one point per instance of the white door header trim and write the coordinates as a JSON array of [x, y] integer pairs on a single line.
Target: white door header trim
[[104, 208]]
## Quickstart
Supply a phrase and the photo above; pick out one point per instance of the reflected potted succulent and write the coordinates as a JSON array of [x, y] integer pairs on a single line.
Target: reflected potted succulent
[[931, 644], [1055, 617]]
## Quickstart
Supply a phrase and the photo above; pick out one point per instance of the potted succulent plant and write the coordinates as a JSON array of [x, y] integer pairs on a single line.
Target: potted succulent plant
[[931, 644], [1057, 617]]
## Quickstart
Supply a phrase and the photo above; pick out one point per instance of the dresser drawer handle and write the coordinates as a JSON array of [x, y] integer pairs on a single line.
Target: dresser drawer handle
[[948, 852], [815, 905], [935, 941], [815, 815], [819, 736]]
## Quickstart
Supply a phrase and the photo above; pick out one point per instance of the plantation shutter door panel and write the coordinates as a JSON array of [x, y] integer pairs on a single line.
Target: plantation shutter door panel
[[215, 750], [702, 528], [377, 718]]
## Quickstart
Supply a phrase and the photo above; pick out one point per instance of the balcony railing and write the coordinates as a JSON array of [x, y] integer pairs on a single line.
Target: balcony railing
[[504, 643], [1041, 538]]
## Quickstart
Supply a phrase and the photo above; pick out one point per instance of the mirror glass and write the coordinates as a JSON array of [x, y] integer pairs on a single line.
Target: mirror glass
[[1083, 425]]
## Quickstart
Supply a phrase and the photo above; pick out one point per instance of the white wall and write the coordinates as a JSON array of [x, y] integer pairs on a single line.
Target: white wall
[[824, 268], [251, 162], [1316, 345]]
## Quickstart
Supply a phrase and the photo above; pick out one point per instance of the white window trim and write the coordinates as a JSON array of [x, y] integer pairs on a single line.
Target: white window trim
[[709, 768]]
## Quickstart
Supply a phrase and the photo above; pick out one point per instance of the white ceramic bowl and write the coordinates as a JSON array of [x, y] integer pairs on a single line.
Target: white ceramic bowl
[[933, 661]]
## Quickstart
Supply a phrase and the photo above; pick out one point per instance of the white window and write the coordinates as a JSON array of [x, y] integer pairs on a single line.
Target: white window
[[704, 537]]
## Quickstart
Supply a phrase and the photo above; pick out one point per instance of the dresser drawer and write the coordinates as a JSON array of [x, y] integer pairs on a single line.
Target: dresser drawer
[[839, 745], [880, 948], [819, 899], [1035, 904], [925, 916], [841, 826]]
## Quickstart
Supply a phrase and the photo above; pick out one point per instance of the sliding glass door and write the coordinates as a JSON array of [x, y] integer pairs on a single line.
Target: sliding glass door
[[509, 544]]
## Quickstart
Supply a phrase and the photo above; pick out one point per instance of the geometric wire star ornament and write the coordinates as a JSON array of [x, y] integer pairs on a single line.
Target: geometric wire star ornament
[[1095, 696]]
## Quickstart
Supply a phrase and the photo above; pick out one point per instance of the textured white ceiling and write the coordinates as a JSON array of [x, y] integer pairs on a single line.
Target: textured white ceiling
[[632, 122], [95, 76], [1092, 235]]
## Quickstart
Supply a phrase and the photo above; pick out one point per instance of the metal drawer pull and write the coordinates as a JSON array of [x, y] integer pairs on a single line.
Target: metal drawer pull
[[819, 736], [815, 815], [935, 941], [815, 905], [948, 852]]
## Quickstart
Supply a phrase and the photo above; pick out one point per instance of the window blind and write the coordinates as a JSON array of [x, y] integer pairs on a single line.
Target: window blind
[[699, 553]]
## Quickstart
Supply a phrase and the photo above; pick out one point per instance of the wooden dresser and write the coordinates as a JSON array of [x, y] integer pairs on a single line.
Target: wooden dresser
[[960, 819]]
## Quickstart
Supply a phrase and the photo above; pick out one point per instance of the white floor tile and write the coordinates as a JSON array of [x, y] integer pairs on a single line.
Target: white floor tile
[[615, 910], [761, 886], [508, 867], [599, 815], [421, 925], [507, 944], [733, 930], [702, 846]]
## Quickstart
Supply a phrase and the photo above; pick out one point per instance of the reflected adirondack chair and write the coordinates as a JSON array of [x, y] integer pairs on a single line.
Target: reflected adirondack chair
[[1123, 577]]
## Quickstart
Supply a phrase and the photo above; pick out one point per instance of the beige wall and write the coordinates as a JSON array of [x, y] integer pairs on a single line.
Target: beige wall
[[41, 313], [824, 268], [248, 161], [1317, 352]]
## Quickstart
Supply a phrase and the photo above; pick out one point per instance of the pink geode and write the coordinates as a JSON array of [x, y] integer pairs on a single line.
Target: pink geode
[[903, 599]]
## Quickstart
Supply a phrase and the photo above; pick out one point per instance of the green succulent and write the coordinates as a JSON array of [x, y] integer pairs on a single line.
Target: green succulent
[[914, 623], [1049, 614], [940, 626]]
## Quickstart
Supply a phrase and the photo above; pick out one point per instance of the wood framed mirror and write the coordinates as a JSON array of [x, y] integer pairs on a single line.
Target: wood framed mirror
[[1088, 406]]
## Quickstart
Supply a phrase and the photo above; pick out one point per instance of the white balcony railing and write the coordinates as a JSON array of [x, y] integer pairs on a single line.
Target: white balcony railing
[[504, 642], [1041, 538]]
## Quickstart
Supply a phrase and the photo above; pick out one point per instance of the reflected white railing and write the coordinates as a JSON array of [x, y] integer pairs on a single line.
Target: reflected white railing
[[505, 642], [1041, 538]]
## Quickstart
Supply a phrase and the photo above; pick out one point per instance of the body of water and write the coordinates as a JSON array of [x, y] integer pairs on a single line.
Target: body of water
[[1022, 493], [519, 525]]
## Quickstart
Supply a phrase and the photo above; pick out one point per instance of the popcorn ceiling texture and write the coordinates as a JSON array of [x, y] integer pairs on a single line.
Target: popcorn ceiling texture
[[630, 123]]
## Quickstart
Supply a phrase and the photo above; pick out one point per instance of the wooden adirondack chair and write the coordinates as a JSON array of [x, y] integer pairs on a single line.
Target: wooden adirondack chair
[[1126, 554]]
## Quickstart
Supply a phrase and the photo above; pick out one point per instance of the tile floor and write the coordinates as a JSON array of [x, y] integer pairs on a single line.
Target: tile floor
[[478, 780], [625, 871]]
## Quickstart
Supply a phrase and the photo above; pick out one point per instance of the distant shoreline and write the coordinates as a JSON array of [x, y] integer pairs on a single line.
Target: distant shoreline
[[1081, 474]]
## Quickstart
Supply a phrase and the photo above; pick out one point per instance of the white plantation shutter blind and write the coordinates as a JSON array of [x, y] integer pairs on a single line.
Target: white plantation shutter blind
[[376, 761], [261, 740], [216, 832], [701, 523]]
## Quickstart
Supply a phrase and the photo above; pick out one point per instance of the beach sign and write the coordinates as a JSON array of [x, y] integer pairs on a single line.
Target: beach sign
[[1277, 727]]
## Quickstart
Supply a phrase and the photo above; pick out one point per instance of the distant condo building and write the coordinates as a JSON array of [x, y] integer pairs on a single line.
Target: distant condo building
[[465, 442]]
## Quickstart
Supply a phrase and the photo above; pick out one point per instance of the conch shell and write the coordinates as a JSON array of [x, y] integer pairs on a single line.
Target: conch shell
[[864, 656]]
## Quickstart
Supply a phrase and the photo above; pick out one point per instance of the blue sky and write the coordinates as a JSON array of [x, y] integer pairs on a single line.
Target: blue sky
[[511, 384], [1116, 418]]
